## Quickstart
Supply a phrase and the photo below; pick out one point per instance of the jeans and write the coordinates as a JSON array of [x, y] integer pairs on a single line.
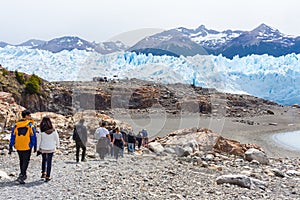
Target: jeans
[[131, 147], [24, 157], [47, 163], [78, 146], [139, 142]]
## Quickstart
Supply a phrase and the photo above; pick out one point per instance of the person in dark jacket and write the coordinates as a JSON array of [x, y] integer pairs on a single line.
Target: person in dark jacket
[[131, 142], [118, 143], [23, 138], [80, 137]]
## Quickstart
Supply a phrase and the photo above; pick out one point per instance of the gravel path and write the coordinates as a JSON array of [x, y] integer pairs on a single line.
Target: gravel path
[[148, 176]]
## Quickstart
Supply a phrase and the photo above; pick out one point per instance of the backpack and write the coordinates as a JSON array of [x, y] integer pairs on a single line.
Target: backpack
[[23, 131], [76, 136]]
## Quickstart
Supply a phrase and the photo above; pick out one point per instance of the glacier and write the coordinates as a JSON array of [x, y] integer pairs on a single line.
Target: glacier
[[273, 78]]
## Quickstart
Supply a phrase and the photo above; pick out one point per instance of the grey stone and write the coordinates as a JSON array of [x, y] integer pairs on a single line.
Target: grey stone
[[255, 154]]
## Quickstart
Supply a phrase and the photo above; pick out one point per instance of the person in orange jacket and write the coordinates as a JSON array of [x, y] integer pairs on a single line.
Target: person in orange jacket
[[23, 139]]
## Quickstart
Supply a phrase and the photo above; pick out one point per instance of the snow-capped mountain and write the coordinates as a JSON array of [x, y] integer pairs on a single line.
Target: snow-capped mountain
[[261, 40], [3, 44], [208, 38], [273, 78], [172, 40], [66, 43], [32, 43], [186, 42], [70, 43]]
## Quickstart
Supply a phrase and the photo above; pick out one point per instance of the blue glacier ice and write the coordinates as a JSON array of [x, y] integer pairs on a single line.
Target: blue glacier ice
[[273, 78]]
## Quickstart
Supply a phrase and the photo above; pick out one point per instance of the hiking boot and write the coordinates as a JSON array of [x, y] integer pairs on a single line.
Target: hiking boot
[[84, 160], [21, 179], [47, 179], [43, 175]]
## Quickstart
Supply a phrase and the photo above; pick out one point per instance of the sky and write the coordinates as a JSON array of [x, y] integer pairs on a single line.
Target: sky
[[100, 20]]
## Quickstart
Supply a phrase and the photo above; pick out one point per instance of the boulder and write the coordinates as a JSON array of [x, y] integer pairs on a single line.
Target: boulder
[[187, 141], [224, 145], [241, 180], [156, 147], [255, 154], [183, 151]]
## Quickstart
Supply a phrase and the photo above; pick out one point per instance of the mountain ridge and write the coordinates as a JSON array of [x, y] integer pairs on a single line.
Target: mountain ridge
[[187, 42]]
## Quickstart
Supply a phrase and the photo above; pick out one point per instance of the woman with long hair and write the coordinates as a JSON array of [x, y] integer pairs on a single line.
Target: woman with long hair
[[118, 143], [47, 142]]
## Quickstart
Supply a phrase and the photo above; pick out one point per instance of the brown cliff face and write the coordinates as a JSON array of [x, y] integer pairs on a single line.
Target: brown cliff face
[[69, 97]]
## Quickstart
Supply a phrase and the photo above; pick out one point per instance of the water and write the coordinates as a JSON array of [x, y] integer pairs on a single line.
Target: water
[[289, 139]]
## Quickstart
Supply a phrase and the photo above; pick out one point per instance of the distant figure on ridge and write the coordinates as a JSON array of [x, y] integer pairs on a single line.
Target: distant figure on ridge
[[80, 138], [23, 138]]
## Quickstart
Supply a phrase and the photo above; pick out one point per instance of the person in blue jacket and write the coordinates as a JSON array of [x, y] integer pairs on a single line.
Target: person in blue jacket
[[23, 139]]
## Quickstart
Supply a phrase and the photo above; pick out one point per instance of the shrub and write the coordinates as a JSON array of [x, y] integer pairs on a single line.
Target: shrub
[[32, 85], [36, 78], [4, 72], [20, 77]]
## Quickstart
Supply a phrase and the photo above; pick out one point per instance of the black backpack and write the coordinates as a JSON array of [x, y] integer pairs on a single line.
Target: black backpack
[[76, 136]]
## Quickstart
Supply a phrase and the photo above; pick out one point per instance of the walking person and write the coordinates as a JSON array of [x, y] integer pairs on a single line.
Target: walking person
[[112, 130], [131, 142], [23, 138], [139, 139], [145, 137], [47, 142], [80, 138], [103, 137], [118, 143]]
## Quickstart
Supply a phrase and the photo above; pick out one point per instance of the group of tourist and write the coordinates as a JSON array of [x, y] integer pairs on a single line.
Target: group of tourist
[[110, 140], [24, 138]]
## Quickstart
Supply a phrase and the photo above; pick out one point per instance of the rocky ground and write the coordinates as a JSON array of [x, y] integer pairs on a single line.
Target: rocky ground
[[170, 170], [196, 173], [148, 176]]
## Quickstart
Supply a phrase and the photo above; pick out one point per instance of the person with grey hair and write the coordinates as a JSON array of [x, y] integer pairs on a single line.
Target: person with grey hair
[[103, 137]]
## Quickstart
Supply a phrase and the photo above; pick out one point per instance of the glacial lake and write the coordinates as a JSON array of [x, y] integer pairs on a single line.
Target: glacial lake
[[290, 139]]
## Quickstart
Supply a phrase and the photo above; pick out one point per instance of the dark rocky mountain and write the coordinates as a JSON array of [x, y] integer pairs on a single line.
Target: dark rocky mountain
[[172, 41], [3, 44], [208, 38], [186, 42], [66, 43], [70, 42], [32, 43], [262, 40], [189, 42]]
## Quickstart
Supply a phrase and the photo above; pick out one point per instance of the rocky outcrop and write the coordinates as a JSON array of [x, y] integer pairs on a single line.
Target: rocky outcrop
[[69, 97], [10, 111], [224, 145], [186, 142]]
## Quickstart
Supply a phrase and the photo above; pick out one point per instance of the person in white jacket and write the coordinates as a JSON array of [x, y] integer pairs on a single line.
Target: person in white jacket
[[47, 142]]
